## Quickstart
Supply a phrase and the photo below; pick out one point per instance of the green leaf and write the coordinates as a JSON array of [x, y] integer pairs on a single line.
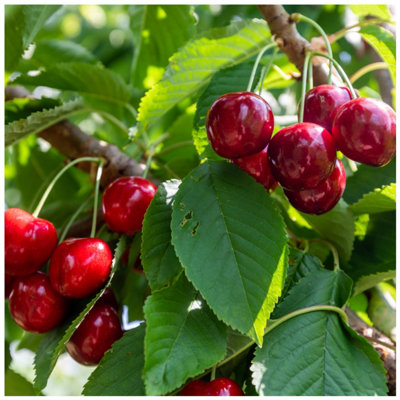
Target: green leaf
[[183, 337], [120, 370], [380, 200], [382, 311], [53, 343], [22, 23], [233, 79], [366, 179], [193, 66], [337, 226], [17, 385], [158, 32], [40, 120], [374, 257], [376, 10], [231, 241], [159, 260], [384, 43]]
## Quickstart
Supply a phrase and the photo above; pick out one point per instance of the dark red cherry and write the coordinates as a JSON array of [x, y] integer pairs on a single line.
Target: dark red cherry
[[108, 297], [239, 124], [301, 156], [79, 267], [195, 388], [322, 102], [35, 305], [365, 131], [257, 166], [125, 202], [322, 198], [224, 387], [95, 335], [29, 242], [8, 284]]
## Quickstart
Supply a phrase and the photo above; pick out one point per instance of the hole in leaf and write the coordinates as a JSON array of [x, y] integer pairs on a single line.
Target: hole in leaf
[[188, 216], [194, 230]]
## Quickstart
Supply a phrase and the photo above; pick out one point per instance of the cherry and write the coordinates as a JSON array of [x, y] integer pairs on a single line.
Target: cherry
[[108, 297], [365, 131], [29, 242], [217, 387], [323, 197], [301, 156], [35, 305], [322, 102], [79, 267], [256, 165], [8, 284], [239, 124], [95, 335], [125, 202]]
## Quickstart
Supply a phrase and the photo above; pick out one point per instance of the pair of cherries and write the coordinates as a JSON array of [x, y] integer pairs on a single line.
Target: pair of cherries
[[217, 387], [302, 157]]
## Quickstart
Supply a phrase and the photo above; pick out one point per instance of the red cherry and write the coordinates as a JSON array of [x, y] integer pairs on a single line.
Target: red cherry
[[365, 131], [108, 297], [195, 388], [79, 267], [29, 242], [301, 156], [35, 305], [224, 387], [257, 166], [8, 284], [125, 202], [239, 124], [95, 335], [322, 198], [322, 102]]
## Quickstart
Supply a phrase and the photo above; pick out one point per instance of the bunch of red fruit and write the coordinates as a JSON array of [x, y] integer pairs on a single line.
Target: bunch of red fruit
[[78, 268], [302, 157]]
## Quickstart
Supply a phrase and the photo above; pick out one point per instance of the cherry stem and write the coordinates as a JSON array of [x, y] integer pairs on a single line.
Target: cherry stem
[[148, 161], [332, 248], [265, 70], [368, 68], [253, 72], [213, 371], [307, 60], [96, 197], [296, 17], [340, 69], [57, 177], [310, 76]]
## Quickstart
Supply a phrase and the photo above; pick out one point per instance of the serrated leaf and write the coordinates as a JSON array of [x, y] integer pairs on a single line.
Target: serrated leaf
[[160, 263], [120, 370], [53, 343], [22, 23], [158, 31], [384, 43], [231, 241], [337, 226], [40, 120], [376, 10], [233, 79], [193, 66], [366, 179], [183, 337], [380, 200]]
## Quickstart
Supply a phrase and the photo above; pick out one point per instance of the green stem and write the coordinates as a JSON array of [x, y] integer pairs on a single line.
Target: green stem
[[148, 162], [96, 197], [175, 146], [266, 69], [253, 72], [310, 76], [307, 60], [299, 17], [57, 177], [332, 248], [368, 68], [340, 69], [213, 371]]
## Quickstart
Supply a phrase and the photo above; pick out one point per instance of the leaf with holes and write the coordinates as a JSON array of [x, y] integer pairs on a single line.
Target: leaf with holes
[[231, 241], [380, 200], [183, 337], [120, 370], [160, 263], [53, 344]]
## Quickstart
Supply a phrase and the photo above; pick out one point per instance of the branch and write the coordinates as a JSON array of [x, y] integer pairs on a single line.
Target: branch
[[294, 45]]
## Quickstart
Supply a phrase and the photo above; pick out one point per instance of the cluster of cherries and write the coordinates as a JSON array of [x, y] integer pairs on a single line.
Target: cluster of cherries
[[302, 157]]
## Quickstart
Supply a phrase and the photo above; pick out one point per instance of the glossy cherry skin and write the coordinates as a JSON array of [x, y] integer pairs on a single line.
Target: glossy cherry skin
[[365, 131], [322, 198], [79, 267], [322, 102], [195, 388], [301, 156], [8, 284], [95, 335], [29, 242], [239, 124], [125, 202], [217, 387], [257, 166], [35, 305], [108, 297]]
